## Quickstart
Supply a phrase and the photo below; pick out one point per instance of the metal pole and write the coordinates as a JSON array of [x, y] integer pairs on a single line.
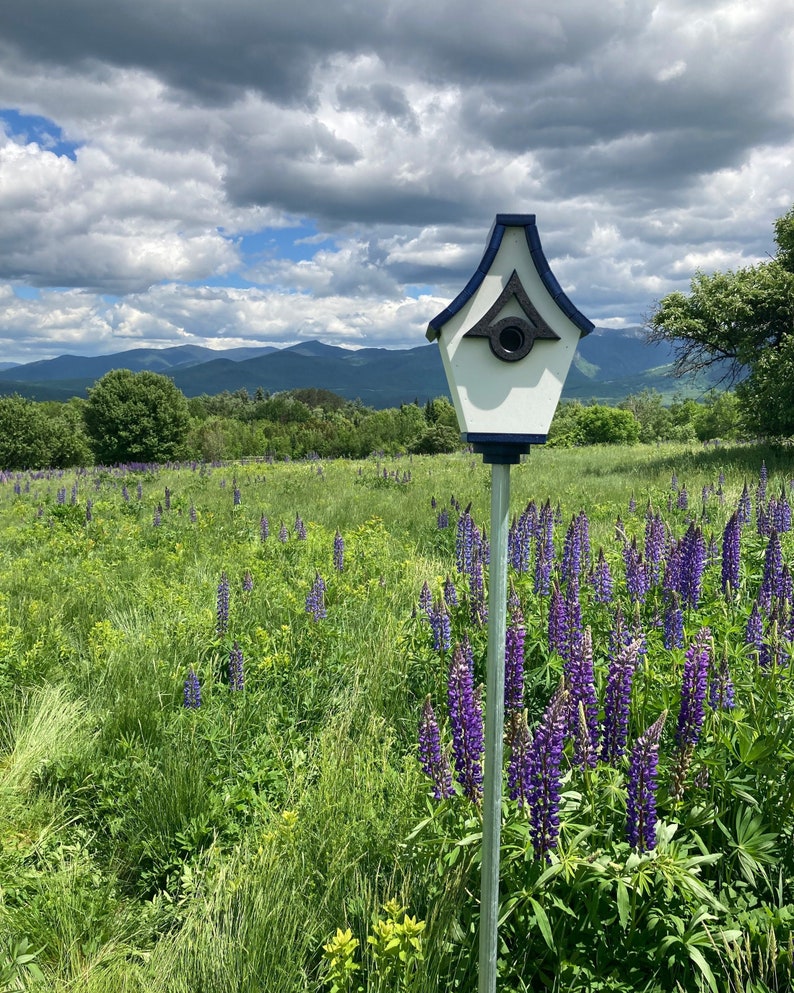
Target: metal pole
[[494, 726]]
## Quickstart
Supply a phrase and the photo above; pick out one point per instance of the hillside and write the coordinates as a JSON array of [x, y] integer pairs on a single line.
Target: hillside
[[608, 366]]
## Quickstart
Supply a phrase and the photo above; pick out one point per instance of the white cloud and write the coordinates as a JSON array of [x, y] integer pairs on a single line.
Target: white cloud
[[649, 138]]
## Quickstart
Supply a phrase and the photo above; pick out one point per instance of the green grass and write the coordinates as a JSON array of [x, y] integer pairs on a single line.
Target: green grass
[[149, 848]]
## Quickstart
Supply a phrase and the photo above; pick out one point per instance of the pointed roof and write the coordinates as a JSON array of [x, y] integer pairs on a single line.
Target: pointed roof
[[503, 221]]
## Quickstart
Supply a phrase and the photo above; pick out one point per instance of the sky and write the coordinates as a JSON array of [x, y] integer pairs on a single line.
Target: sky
[[253, 172]]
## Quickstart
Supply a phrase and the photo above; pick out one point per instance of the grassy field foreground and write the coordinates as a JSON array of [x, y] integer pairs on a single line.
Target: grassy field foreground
[[212, 680]]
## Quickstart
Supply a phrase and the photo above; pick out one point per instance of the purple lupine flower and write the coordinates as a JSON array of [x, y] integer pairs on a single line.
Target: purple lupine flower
[[283, 534], [425, 599], [754, 635], [573, 619], [465, 718], [192, 514], [763, 522], [601, 578], [543, 774], [571, 552], [654, 547], [721, 693], [264, 528], [89, 511], [693, 563], [617, 700], [632, 504], [434, 762], [167, 498], [683, 499], [440, 626], [156, 517], [60, 496], [514, 661], [192, 692], [464, 542], [730, 555], [315, 599], [237, 495], [300, 528], [558, 621], [771, 583], [641, 798], [763, 477], [544, 549], [636, 573], [782, 518], [442, 519], [478, 609], [433, 503], [519, 742], [236, 674], [693, 690], [674, 481], [125, 493], [139, 490], [673, 636], [339, 552], [583, 702], [248, 581], [450, 593], [222, 607]]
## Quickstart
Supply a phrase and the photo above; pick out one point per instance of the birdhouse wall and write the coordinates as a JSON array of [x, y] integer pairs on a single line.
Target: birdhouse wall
[[512, 398]]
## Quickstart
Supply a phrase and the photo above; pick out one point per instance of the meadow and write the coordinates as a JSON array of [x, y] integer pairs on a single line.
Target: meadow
[[239, 708]]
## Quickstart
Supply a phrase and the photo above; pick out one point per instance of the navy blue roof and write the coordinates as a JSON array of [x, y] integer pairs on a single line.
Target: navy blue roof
[[503, 221]]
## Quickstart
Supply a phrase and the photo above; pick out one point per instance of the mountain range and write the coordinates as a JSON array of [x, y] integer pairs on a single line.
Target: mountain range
[[609, 365]]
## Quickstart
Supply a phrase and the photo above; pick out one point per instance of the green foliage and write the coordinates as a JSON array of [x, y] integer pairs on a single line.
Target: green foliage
[[435, 440], [575, 424], [340, 961], [39, 436], [743, 322], [136, 417]]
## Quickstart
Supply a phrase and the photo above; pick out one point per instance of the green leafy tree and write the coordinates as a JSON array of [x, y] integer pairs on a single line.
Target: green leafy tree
[[136, 417], [40, 435], [742, 324]]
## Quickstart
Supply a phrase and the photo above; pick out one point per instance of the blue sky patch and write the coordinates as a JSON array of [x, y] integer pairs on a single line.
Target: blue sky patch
[[29, 128]]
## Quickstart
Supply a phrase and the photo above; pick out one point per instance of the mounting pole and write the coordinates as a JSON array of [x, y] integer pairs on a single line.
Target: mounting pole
[[494, 726]]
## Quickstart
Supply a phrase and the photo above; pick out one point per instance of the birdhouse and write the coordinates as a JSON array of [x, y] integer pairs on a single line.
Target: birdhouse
[[507, 341]]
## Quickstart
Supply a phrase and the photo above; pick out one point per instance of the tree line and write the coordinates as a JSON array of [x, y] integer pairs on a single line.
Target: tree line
[[143, 418]]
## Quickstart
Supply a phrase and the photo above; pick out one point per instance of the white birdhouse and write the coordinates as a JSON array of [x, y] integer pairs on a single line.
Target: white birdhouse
[[507, 342]]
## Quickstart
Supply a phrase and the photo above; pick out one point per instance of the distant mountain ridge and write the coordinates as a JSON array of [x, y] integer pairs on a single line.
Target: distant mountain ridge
[[609, 365]]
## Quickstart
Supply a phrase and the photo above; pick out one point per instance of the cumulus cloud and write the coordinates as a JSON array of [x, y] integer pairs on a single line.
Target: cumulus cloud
[[370, 146]]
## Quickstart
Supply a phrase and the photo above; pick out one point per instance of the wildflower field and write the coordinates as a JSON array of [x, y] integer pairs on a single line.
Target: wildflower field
[[241, 724]]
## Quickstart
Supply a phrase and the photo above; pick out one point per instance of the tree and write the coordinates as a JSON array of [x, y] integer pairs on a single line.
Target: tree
[[136, 417], [40, 435], [742, 324]]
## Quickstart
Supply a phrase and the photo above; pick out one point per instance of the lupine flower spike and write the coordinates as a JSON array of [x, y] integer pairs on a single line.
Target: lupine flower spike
[[339, 552], [222, 610], [465, 718], [315, 599], [192, 694], [434, 762], [641, 799], [236, 675], [543, 774]]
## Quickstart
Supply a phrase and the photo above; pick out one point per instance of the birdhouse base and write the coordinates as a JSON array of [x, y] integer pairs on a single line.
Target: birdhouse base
[[502, 449]]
